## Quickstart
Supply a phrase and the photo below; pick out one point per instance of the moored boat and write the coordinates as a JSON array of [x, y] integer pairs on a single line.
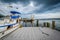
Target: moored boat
[[9, 22]]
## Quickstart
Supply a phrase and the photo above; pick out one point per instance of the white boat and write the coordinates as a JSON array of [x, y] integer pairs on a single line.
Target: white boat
[[4, 24], [9, 21]]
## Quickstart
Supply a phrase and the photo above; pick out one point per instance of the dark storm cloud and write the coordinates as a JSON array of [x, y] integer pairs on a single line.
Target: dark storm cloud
[[24, 2], [48, 8], [48, 4], [38, 2], [14, 1]]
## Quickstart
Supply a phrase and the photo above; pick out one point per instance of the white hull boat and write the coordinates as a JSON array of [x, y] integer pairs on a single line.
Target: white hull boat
[[4, 25]]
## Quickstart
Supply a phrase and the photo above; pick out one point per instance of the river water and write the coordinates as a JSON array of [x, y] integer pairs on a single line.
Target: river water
[[28, 24]]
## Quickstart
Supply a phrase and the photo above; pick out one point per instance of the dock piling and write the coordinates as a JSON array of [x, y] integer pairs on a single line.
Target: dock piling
[[48, 24], [53, 24], [44, 24], [37, 24]]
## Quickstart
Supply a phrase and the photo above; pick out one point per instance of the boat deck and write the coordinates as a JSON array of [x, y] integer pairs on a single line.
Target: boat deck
[[33, 33]]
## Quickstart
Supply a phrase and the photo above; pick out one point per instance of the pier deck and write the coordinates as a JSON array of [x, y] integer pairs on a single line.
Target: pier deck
[[33, 33]]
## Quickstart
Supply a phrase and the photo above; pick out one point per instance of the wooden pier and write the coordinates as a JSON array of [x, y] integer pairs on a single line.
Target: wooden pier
[[33, 33]]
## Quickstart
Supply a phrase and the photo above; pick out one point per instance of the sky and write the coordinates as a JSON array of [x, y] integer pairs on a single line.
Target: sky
[[37, 8]]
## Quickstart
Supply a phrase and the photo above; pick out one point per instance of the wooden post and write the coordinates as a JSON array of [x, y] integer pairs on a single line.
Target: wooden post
[[44, 24], [53, 24], [48, 24], [25, 23], [37, 24]]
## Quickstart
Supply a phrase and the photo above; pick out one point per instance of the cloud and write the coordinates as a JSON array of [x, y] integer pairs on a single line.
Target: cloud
[[23, 2], [32, 6], [36, 2], [49, 8], [47, 2], [47, 15]]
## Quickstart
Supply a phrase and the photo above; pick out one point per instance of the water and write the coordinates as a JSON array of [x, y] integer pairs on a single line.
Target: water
[[57, 23], [28, 24]]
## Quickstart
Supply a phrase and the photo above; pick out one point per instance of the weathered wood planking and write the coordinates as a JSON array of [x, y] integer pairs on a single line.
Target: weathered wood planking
[[33, 33]]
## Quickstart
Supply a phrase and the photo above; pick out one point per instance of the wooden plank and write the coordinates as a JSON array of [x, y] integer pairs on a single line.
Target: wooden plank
[[33, 33]]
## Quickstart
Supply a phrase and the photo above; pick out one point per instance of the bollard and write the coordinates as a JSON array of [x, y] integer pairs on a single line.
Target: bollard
[[53, 24], [44, 24], [37, 24], [48, 24]]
